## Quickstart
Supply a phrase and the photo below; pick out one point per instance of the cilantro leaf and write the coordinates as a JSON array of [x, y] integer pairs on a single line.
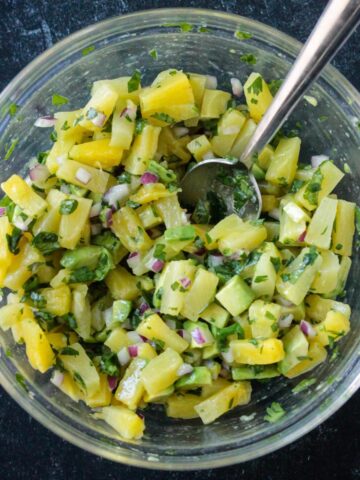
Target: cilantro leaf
[[13, 240], [134, 82], [46, 242], [163, 117], [313, 188], [68, 206], [153, 54], [10, 149], [274, 412], [257, 86], [241, 35], [303, 385], [59, 100], [248, 58], [85, 51]]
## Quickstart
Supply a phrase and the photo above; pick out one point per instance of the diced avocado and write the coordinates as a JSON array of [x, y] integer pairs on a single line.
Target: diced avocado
[[87, 264], [121, 310], [258, 172], [108, 240], [199, 377], [215, 315], [201, 336], [182, 233], [296, 349], [254, 372], [236, 296]]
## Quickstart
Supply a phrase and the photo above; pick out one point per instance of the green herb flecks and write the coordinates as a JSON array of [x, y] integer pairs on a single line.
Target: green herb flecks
[[109, 363], [296, 185], [46, 242], [257, 86], [274, 413], [260, 278], [13, 108], [139, 125], [68, 206], [153, 54], [308, 259], [242, 35], [163, 117], [9, 149], [275, 85], [21, 381], [69, 351], [313, 188], [248, 58], [58, 100], [85, 51], [13, 240], [134, 82], [303, 385]]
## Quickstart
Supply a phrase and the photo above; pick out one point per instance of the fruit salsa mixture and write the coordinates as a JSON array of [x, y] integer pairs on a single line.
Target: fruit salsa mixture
[[131, 300]]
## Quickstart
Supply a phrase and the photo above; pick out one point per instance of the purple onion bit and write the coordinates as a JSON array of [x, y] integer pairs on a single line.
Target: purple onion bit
[[185, 282], [157, 266], [112, 382], [307, 329], [148, 177]]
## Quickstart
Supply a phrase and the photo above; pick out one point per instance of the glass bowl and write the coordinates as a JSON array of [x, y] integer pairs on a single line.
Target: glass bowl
[[197, 41]]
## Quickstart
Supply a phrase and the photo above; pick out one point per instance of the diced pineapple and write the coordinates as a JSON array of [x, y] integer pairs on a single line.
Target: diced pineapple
[[200, 148], [142, 150], [72, 225], [265, 157], [117, 340], [247, 236], [70, 388], [216, 386], [146, 351], [215, 315], [225, 227], [161, 372], [344, 228], [6, 257], [170, 211], [200, 295], [70, 171], [123, 124], [238, 393], [283, 165], [82, 370], [97, 153], [263, 319], [126, 422], [264, 279], [214, 103], [269, 202], [198, 83], [320, 229], [58, 340], [18, 271], [316, 355], [67, 128], [170, 95], [50, 221], [24, 196], [58, 300], [150, 193], [128, 228], [81, 310], [131, 388], [258, 96], [120, 86], [101, 104], [153, 328], [59, 154], [102, 397], [257, 352], [38, 349], [182, 406], [10, 315], [326, 277], [333, 328], [236, 296], [122, 285], [169, 145], [296, 348], [318, 307], [243, 138]]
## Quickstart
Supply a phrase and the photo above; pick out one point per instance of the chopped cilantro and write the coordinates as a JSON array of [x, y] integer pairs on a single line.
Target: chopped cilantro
[[109, 363], [78, 378], [85, 51], [163, 117], [308, 259], [296, 185], [70, 320], [203, 29], [134, 82], [68, 206], [42, 156], [257, 86], [46, 242], [313, 188], [174, 286], [260, 278], [153, 53], [303, 385], [159, 252], [21, 381], [276, 262], [270, 316], [13, 240], [248, 58], [241, 35], [13, 108], [139, 125], [323, 118], [125, 177], [31, 283], [274, 412], [69, 351], [59, 100], [347, 168], [53, 136], [9, 149], [275, 85], [46, 320]]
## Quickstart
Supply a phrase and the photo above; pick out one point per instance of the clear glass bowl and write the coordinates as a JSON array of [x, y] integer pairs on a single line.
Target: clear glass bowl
[[123, 44]]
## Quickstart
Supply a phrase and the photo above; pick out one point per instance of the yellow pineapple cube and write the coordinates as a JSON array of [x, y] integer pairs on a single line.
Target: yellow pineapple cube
[[91, 178], [6, 257], [182, 406], [98, 154], [258, 96], [142, 150], [24, 196], [131, 388], [128, 228], [102, 397], [38, 349], [18, 271], [72, 225], [153, 327], [122, 285], [99, 107], [58, 300], [334, 327], [257, 352], [316, 355], [126, 422], [200, 148], [214, 103], [161, 372]]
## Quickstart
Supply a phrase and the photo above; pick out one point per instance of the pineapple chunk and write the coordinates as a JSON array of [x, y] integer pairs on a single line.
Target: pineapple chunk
[[50, 221], [247, 236], [10, 315], [316, 355], [131, 389], [58, 300], [200, 148], [120, 86], [243, 138], [321, 225], [81, 310], [161, 372], [317, 307], [170, 211], [126, 422], [214, 103], [38, 349], [344, 228], [182, 406], [265, 157], [122, 285], [258, 96], [283, 164], [101, 398], [334, 327], [238, 393], [18, 271], [67, 128], [72, 225], [198, 83], [170, 95], [70, 388], [326, 277], [257, 352], [128, 228], [153, 327], [146, 351], [170, 144], [117, 340], [142, 150], [263, 319], [24, 196], [98, 179], [200, 295], [82, 370], [150, 193], [149, 217], [102, 103], [6, 257], [123, 125], [97, 153]]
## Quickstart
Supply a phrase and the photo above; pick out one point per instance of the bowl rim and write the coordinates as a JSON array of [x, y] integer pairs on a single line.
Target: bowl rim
[[352, 381]]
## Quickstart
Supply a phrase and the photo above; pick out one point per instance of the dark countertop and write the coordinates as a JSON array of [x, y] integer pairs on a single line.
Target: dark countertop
[[27, 450]]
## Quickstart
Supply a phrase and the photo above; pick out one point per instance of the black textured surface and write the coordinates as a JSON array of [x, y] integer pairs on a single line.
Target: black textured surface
[[27, 450]]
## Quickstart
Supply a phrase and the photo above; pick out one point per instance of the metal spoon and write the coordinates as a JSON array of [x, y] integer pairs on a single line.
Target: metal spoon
[[335, 25]]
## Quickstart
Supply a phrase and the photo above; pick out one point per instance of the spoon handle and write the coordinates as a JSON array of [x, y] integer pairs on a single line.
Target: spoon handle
[[335, 25]]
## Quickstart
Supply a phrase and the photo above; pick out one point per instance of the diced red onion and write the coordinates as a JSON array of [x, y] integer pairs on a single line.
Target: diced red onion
[[230, 130], [57, 378], [228, 356], [133, 350], [185, 282], [123, 356], [117, 194], [171, 324], [184, 369], [286, 321], [236, 87], [211, 82], [148, 177], [108, 217], [208, 155], [215, 260], [317, 160], [133, 260], [140, 415], [185, 335], [83, 176], [307, 329], [112, 382], [274, 213], [302, 236], [39, 173], [180, 131], [157, 266], [99, 120], [143, 307], [200, 252], [198, 336], [283, 301], [95, 210], [134, 337], [2, 211], [45, 122], [96, 228]]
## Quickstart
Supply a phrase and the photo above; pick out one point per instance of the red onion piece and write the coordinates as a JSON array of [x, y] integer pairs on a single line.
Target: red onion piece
[[95, 210], [185, 282], [302, 236], [200, 252], [45, 122], [83, 176], [117, 194], [123, 356], [57, 378], [99, 120], [2, 211], [157, 266], [142, 309], [307, 329], [184, 369], [39, 173], [96, 228], [317, 160], [211, 82], [133, 350], [198, 336], [112, 382], [180, 131], [148, 177], [286, 321], [108, 218], [236, 87]]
